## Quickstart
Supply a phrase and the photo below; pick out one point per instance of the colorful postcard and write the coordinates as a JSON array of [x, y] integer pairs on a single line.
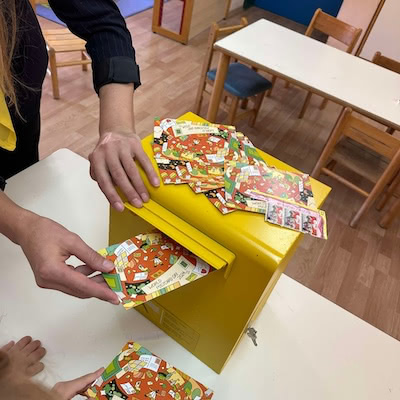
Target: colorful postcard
[[137, 374], [217, 199], [247, 183], [189, 141], [150, 265]]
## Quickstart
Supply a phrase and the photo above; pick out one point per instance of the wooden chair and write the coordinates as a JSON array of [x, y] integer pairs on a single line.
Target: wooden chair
[[394, 211], [390, 64], [242, 82], [336, 29], [62, 41], [341, 149]]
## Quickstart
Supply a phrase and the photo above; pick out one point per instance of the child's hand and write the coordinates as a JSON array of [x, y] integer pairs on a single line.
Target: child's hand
[[67, 390]]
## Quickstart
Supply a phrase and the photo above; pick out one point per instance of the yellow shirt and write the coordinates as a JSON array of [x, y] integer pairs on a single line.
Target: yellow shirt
[[8, 139]]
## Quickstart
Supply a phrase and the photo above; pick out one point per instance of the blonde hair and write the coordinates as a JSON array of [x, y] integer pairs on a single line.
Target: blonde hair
[[16, 386], [8, 33]]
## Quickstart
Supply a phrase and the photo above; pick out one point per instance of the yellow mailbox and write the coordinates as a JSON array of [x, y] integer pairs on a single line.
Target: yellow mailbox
[[209, 316]]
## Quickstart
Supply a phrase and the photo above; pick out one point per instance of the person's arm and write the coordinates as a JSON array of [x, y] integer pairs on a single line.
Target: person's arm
[[115, 76], [47, 246]]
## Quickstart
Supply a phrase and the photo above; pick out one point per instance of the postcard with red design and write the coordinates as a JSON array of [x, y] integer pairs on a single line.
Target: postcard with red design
[[137, 374], [150, 265], [187, 140], [247, 183]]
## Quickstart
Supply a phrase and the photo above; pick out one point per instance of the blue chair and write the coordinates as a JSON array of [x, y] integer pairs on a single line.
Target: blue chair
[[242, 83]]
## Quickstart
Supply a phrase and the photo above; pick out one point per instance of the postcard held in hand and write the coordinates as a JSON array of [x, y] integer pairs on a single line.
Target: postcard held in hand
[[150, 265]]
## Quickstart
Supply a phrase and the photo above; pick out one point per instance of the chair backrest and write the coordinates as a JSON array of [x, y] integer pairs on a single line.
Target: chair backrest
[[367, 135], [386, 62], [216, 33], [335, 28]]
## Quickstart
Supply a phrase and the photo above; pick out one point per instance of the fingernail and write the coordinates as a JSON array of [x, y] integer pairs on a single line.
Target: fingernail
[[145, 197], [118, 206], [108, 265], [155, 182], [137, 203]]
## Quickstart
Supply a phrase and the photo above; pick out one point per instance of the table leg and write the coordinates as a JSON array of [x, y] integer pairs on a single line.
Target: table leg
[[218, 87]]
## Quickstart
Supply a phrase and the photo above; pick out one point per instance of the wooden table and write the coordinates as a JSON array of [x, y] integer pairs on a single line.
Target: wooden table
[[315, 66], [308, 348], [197, 15]]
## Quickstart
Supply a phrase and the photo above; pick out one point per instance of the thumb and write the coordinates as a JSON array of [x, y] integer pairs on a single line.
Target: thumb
[[90, 257]]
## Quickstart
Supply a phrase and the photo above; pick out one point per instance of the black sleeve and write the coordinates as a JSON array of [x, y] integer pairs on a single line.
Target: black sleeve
[[2, 184], [109, 42]]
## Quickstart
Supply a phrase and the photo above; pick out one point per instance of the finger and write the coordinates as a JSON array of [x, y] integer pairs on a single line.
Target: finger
[[85, 287], [134, 176], [146, 164], [105, 183], [99, 279], [79, 385], [37, 355], [92, 172], [91, 258], [7, 346], [31, 347], [23, 342], [34, 369], [120, 178], [85, 270]]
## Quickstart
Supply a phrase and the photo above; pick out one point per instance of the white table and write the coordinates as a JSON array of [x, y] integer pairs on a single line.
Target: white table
[[325, 70], [309, 348]]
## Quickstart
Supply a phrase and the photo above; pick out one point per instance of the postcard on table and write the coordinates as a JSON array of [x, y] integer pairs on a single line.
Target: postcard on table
[[137, 374]]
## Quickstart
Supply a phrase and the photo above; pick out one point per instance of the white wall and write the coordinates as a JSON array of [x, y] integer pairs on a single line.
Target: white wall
[[385, 35], [357, 13], [236, 4]]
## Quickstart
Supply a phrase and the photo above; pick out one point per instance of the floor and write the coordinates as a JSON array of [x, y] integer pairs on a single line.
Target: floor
[[358, 269]]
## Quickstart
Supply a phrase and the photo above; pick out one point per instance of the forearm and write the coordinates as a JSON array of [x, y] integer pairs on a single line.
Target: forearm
[[116, 108], [14, 220]]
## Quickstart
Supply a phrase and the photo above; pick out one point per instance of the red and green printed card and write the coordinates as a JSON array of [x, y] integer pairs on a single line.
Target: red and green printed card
[[186, 140], [150, 265], [246, 185], [137, 374]]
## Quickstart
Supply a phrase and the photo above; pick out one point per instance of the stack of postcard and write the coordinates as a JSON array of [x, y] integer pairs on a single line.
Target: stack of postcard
[[225, 166]]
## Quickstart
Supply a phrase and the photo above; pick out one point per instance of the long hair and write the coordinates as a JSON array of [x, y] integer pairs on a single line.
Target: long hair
[[8, 33]]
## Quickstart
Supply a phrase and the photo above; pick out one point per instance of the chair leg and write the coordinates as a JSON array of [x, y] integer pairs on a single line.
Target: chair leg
[[257, 105], [84, 58], [331, 165], [232, 110], [323, 104], [330, 145], [199, 95], [378, 188], [273, 81], [305, 105], [244, 104], [389, 193], [53, 72], [388, 218]]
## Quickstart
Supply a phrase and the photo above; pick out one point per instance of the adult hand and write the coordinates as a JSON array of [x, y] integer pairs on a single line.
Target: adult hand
[[48, 245], [68, 389], [112, 163]]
